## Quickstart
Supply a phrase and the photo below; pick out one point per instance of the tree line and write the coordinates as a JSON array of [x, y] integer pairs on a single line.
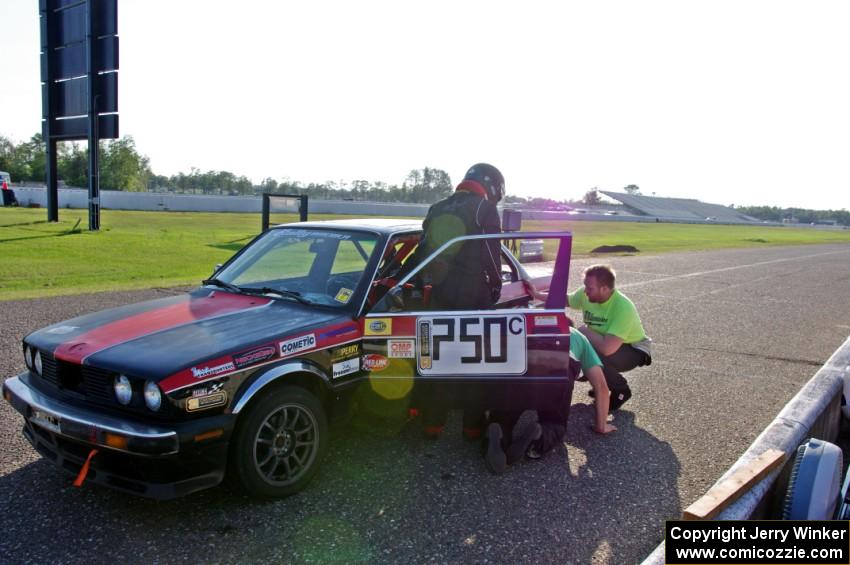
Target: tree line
[[774, 214], [122, 167]]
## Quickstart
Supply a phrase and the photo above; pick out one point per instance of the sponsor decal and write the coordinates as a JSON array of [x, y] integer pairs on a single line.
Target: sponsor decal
[[298, 344], [207, 390], [545, 320], [346, 367], [207, 371], [344, 295], [346, 352], [424, 345], [379, 326], [61, 330], [317, 234], [338, 331], [205, 402], [374, 362], [401, 349], [254, 356]]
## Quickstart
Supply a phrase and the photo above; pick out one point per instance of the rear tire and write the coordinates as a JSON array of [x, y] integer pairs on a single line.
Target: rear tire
[[279, 443]]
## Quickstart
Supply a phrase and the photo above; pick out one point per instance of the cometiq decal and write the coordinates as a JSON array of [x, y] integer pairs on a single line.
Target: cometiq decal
[[298, 344]]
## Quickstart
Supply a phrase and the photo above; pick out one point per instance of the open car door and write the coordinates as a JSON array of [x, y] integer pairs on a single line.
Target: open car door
[[515, 356]]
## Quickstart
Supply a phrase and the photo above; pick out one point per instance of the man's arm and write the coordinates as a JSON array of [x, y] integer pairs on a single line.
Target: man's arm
[[603, 344], [601, 398]]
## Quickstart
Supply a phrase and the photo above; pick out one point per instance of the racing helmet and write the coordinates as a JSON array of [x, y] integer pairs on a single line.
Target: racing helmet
[[488, 177]]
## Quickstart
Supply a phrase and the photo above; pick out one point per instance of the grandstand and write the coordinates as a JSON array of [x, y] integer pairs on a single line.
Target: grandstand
[[679, 209]]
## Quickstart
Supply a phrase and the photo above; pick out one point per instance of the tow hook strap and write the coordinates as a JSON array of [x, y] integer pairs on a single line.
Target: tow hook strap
[[78, 482]]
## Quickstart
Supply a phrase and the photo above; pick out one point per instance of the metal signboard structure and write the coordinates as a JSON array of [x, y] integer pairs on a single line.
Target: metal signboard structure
[[79, 85]]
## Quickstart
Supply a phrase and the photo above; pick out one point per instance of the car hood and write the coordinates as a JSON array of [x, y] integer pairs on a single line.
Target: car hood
[[157, 338]]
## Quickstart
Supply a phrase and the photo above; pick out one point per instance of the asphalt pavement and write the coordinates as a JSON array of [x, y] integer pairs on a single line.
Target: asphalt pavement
[[737, 332]]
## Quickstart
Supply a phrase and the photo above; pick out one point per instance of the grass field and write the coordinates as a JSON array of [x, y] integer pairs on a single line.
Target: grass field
[[162, 249]]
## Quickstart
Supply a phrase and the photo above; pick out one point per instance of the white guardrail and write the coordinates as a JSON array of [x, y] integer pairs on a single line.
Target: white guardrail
[[815, 412], [122, 200]]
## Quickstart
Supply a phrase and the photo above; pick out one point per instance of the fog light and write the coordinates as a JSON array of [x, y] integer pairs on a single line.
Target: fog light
[[37, 362], [153, 397], [123, 390]]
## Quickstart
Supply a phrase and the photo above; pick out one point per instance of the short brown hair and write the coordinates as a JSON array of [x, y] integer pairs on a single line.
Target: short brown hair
[[604, 274]]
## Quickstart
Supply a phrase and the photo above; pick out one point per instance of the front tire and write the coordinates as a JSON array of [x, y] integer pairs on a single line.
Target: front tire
[[281, 442]]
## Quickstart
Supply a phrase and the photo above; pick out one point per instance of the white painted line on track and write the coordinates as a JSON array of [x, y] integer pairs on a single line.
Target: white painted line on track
[[734, 268]]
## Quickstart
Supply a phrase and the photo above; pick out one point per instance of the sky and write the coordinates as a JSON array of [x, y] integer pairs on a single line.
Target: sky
[[729, 102]]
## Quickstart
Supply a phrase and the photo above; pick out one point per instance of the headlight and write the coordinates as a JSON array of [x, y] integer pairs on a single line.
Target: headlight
[[123, 390], [153, 397], [28, 356], [37, 362]]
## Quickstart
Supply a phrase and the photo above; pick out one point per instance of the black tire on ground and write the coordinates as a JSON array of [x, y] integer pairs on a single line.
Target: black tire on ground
[[279, 442]]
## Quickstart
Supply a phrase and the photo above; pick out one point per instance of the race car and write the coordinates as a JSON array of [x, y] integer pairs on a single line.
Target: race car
[[242, 374]]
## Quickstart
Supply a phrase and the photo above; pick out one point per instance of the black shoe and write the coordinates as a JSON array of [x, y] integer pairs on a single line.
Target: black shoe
[[618, 398], [495, 456], [517, 449]]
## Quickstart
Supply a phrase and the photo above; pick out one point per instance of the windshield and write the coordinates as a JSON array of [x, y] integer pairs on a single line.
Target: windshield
[[315, 266]]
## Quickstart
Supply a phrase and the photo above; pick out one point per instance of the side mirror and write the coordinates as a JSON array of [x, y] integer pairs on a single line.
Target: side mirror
[[216, 269]]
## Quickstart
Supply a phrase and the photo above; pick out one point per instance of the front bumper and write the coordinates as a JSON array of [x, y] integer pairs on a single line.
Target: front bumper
[[157, 461]]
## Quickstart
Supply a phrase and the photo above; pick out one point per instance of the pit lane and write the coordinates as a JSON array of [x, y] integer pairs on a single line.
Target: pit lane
[[736, 332]]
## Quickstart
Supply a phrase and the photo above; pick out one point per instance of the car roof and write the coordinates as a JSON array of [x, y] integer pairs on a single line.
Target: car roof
[[380, 225]]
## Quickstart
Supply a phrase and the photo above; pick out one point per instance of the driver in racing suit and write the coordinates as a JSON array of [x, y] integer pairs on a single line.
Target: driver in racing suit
[[464, 276]]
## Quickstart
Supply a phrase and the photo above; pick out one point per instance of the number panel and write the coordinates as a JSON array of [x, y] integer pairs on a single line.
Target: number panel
[[472, 345]]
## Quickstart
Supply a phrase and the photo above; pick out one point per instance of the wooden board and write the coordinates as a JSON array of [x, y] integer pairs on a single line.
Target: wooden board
[[731, 488]]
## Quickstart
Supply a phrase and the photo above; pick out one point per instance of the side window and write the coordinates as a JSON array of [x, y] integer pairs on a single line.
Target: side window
[[351, 256]]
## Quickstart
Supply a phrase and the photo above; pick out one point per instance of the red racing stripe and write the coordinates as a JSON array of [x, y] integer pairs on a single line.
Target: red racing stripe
[[126, 329]]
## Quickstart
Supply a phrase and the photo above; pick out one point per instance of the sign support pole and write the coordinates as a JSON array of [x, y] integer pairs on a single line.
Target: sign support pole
[[94, 140]]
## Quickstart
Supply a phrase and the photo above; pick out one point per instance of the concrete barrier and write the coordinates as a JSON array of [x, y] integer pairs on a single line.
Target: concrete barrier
[[815, 412]]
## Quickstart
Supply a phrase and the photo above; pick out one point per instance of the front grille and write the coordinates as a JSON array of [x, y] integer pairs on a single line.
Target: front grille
[[49, 370], [98, 384], [91, 384]]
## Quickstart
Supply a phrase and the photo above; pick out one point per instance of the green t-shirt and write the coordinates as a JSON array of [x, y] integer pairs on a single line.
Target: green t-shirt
[[582, 351], [616, 316]]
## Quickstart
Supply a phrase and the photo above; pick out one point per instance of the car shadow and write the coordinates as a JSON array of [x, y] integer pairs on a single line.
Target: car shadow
[[384, 494]]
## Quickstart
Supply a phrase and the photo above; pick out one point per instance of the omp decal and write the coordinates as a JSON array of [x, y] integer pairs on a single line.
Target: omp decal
[[379, 326], [489, 344], [207, 371], [401, 348], [204, 402], [160, 319], [344, 295], [254, 356], [375, 363], [346, 367], [297, 345], [345, 352]]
